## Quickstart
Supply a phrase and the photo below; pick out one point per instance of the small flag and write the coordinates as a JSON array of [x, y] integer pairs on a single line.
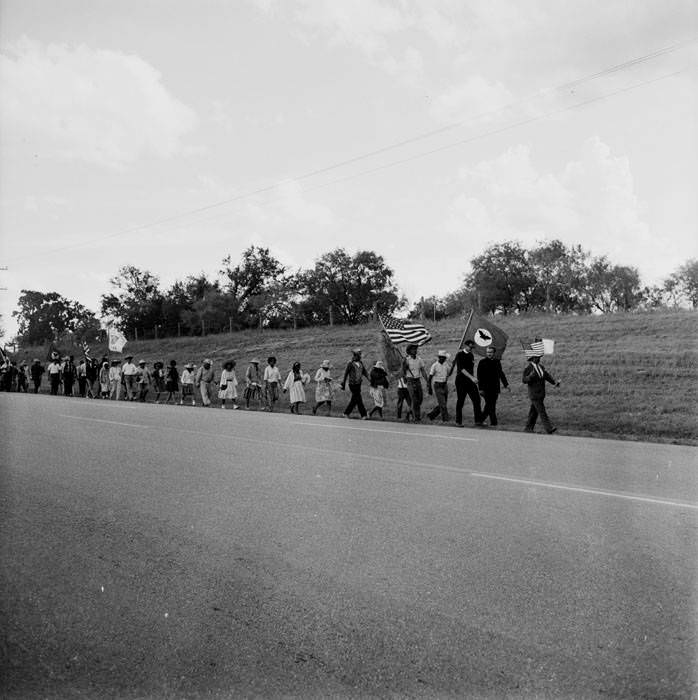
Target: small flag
[[539, 347], [484, 333], [400, 331], [117, 339], [86, 350], [548, 346]]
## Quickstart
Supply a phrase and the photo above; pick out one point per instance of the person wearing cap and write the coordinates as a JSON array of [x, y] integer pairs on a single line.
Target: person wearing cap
[[466, 383], [228, 384], [323, 387], [104, 381], [144, 380], [171, 381], [272, 380], [253, 383], [295, 385], [437, 383], [36, 372], [378, 383], [535, 376], [188, 385], [115, 380], [353, 375], [205, 377], [490, 378], [130, 374], [54, 375], [413, 369]]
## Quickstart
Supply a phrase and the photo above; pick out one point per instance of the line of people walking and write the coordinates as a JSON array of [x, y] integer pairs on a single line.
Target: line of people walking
[[262, 388]]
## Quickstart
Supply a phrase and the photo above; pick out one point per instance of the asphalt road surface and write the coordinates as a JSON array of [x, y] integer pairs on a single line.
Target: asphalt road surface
[[167, 551]]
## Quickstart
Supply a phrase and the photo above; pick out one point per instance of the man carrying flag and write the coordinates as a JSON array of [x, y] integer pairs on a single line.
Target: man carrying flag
[[535, 376]]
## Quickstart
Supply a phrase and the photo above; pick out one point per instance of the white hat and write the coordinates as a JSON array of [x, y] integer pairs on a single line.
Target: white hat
[[443, 353]]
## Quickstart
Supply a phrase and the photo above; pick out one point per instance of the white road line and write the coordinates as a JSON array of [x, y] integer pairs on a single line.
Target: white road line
[[100, 420], [581, 489]]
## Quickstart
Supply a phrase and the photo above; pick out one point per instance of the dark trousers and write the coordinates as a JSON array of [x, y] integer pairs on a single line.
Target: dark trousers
[[538, 409], [464, 387], [356, 401], [37, 384], [441, 394], [490, 409], [68, 385], [414, 386], [403, 396], [55, 383]]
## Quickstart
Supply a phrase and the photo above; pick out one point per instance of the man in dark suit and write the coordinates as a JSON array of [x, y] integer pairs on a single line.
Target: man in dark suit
[[490, 378], [535, 376], [466, 383]]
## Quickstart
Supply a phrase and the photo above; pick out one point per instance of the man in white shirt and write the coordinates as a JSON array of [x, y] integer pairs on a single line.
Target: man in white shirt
[[54, 375], [437, 383], [115, 380], [272, 379], [413, 369], [130, 372]]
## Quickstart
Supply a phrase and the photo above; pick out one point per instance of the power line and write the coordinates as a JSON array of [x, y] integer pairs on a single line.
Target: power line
[[420, 137]]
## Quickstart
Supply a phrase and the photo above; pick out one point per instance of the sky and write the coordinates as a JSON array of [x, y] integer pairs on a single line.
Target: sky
[[169, 134]]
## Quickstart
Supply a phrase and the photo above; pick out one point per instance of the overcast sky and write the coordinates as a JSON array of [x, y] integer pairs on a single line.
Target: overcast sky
[[168, 134]]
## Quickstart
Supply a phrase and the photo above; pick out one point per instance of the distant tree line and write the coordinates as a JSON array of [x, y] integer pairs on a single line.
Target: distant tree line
[[258, 291]]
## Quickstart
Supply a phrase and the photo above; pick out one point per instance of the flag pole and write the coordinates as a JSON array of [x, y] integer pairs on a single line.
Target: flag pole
[[465, 332]]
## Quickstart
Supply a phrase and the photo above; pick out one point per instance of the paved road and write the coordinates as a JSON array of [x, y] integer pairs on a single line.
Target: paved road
[[156, 551]]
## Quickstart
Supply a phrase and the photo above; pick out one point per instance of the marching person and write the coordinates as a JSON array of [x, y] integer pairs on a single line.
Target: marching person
[[22, 376], [272, 380], [490, 379], [36, 371], [228, 384], [466, 383], [144, 380], [437, 383], [115, 380], [323, 387], [253, 383], [188, 385], [403, 397], [68, 374], [378, 381], [158, 377], [295, 385], [54, 375], [353, 374], [535, 376], [413, 369], [205, 377], [172, 381], [104, 381], [130, 374]]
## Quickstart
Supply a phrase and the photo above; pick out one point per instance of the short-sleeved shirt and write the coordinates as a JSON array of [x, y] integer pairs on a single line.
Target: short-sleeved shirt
[[413, 367], [272, 374], [439, 371]]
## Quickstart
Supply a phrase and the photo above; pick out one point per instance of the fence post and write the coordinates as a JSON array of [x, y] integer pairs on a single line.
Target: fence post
[[179, 329]]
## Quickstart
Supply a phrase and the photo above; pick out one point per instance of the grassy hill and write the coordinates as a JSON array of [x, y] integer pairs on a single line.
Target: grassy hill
[[625, 375]]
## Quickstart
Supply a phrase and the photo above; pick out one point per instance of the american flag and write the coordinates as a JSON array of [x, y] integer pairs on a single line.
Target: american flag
[[400, 331], [534, 349], [86, 349]]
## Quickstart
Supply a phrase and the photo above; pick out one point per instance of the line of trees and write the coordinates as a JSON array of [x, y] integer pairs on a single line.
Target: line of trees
[[259, 291]]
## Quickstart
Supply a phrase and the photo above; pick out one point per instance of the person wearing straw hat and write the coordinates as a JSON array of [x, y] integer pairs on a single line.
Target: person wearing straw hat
[[323, 387], [253, 383], [144, 380], [413, 369], [437, 383], [295, 386], [378, 383], [188, 385], [130, 374], [205, 377], [535, 376]]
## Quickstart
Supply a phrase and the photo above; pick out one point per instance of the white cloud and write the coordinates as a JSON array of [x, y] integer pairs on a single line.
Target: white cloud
[[95, 105], [591, 200], [286, 207], [474, 97]]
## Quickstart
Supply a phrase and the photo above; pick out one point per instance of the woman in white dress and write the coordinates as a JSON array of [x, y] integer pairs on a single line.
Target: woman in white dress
[[295, 385], [228, 386], [323, 387]]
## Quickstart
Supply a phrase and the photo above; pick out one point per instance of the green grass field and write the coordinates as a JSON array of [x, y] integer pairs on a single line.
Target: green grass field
[[631, 376]]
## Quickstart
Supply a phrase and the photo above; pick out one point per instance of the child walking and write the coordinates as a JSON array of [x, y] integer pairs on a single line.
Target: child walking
[[228, 386], [294, 384], [323, 387], [378, 379], [188, 385], [171, 381]]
